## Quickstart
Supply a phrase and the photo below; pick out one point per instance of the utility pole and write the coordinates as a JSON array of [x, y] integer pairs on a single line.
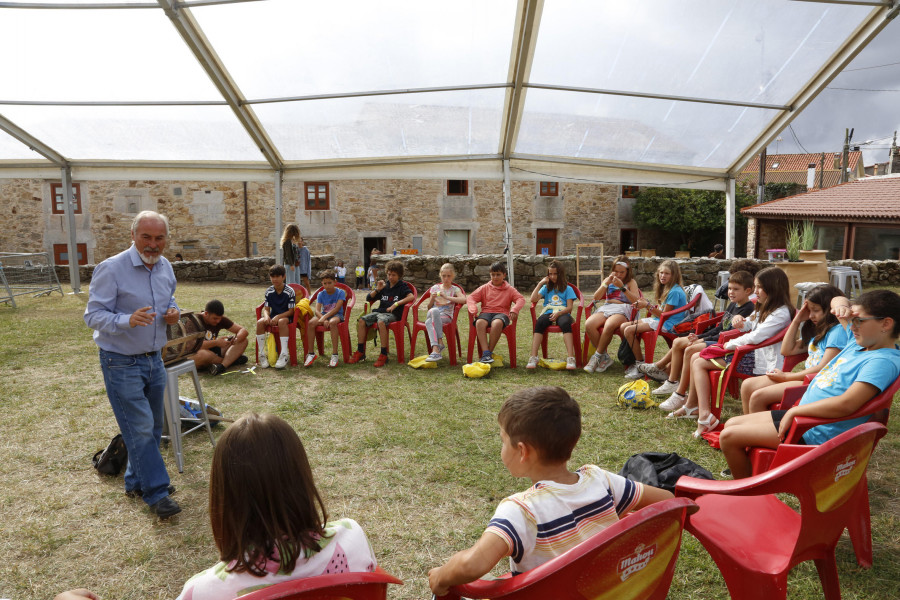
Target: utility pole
[[761, 186], [845, 156], [891, 155]]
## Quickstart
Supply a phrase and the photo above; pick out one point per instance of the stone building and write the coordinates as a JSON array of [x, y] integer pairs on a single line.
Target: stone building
[[346, 218]]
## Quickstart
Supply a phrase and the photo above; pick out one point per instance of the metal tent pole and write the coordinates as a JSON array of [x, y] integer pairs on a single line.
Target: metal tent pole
[[507, 217], [279, 177], [74, 275], [729, 217]]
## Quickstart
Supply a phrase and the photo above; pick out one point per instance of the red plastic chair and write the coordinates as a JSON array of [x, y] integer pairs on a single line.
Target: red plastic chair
[[756, 539], [586, 341], [300, 292], [730, 376], [763, 459], [400, 328], [451, 329], [633, 558], [343, 328], [509, 331], [352, 586], [649, 337], [578, 306]]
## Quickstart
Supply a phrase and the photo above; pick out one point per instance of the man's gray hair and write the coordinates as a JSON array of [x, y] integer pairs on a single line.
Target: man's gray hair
[[149, 214]]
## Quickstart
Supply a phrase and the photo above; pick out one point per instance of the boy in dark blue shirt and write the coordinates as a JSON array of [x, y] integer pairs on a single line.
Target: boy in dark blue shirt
[[278, 310]]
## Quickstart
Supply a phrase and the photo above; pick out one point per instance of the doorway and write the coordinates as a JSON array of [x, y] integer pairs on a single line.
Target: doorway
[[545, 242], [369, 244]]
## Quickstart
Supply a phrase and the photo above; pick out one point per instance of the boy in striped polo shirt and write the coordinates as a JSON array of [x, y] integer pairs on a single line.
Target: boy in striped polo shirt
[[539, 428]]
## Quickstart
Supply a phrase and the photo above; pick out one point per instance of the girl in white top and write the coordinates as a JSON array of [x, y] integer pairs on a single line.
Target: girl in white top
[[814, 330], [619, 291], [772, 314], [268, 519], [440, 310]]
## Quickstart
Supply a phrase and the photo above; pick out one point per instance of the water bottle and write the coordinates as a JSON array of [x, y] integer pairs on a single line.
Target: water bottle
[[395, 252]]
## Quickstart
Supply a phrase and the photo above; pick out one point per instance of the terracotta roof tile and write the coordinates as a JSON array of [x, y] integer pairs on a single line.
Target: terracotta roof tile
[[876, 198], [801, 162]]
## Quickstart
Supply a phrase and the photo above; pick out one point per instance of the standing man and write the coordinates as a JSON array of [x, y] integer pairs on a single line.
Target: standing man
[[132, 298]]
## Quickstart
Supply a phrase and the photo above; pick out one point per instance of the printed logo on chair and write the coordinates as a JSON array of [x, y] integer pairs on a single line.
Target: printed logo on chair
[[843, 469], [633, 563]]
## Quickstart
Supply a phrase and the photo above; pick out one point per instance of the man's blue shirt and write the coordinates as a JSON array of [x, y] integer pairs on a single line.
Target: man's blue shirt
[[119, 286]]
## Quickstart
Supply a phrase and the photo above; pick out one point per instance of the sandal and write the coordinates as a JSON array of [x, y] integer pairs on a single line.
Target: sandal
[[685, 413], [705, 426]]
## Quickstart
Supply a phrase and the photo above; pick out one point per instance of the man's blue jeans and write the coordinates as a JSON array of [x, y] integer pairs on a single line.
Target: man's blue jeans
[[136, 386]]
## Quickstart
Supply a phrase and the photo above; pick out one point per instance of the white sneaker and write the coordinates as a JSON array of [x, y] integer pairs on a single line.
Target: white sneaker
[[532, 363], [666, 388], [571, 365], [673, 402], [334, 361], [282, 361], [634, 372], [263, 362], [434, 357], [310, 359], [606, 362], [654, 372], [593, 363]]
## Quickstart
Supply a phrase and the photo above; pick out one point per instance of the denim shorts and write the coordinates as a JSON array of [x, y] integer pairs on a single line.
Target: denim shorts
[[489, 317], [378, 317]]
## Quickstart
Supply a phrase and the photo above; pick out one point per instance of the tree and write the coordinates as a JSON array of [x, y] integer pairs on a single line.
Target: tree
[[695, 216]]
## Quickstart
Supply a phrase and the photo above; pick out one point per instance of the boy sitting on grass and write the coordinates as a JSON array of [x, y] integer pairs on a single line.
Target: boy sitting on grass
[[539, 428], [329, 313], [391, 299], [496, 297]]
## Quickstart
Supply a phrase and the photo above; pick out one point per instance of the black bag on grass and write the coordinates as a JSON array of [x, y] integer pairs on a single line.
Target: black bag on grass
[[626, 355], [113, 458], [661, 470]]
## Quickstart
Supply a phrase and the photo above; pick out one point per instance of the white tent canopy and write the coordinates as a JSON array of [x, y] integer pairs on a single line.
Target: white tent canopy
[[657, 92]]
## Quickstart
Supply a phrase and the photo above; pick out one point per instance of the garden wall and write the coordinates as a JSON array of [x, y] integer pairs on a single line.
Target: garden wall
[[473, 270]]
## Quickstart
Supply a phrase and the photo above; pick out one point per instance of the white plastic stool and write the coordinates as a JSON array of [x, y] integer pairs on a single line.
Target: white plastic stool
[[804, 288], [173, 408], [844, 277], [721, 279]]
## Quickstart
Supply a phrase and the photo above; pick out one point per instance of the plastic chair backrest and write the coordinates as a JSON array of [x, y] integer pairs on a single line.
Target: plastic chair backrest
[[633, 558], [665, 316], [350, 586], [349, 301], [300, 292], [824, 480]]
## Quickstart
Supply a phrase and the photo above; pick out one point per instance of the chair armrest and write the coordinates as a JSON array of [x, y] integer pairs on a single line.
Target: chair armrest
[[729, 335], [692, 487], [788, 452], [791, 396]]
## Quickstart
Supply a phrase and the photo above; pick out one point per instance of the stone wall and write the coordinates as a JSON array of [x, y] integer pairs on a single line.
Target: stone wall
[[474, 270], [208, 220]]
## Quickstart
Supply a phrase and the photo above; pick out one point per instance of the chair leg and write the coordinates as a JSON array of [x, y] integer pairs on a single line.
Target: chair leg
[[452, 341], [860, 529], [544, 344], [472, 339], [831, 585], [412, 343], [511, 343], [401, 347], [576, 341]]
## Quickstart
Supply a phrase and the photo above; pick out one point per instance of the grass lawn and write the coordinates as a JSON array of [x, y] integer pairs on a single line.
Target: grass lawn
[[413, 455]]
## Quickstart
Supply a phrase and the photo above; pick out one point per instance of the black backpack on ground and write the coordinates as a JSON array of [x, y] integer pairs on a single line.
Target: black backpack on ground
[[661, 470], [113, 458]]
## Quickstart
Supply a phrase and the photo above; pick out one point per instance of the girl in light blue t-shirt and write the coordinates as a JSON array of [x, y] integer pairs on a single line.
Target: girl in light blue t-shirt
[[814, 331], [559, 301]]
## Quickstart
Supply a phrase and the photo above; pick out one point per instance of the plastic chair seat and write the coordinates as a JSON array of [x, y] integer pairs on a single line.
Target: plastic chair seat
[[343, 327], [754, 547], [400, 329], [509, 331], [586, 342], [577, 306], [300, 293], [451, 329], [649, 337]]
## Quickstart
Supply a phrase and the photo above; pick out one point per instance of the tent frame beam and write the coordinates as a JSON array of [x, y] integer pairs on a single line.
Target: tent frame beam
[[32, 142]]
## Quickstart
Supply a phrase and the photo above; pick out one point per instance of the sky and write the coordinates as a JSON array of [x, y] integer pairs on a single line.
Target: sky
[[874, 115]]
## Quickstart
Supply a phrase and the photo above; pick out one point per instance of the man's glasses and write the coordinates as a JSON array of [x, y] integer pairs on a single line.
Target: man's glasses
[[855, 321]]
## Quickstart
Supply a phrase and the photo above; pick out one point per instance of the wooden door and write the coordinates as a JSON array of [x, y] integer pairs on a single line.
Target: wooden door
[[546, 242]]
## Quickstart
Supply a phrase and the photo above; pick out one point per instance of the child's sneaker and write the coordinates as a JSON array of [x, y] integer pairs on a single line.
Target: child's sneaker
[[654, 372], [634, 372], [357, 357], [282, 361], [673, 402], [571, 365], [487, 357], [434, 357], [216, 369], [262, 360], [532, 363], [606, 362], [310, 359], [665, 389], [381, 360], [334, 361], [593, 363]]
